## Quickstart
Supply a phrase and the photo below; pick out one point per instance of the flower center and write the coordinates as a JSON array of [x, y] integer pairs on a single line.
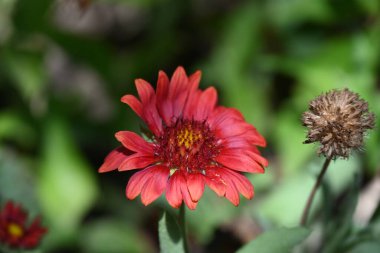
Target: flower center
[[187, 145], [15, 230]]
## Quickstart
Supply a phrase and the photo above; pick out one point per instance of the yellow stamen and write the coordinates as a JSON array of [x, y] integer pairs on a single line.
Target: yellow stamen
[[15, 230], [187, 137]]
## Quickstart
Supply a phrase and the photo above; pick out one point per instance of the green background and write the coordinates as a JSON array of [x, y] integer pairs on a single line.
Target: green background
[[65, 64]]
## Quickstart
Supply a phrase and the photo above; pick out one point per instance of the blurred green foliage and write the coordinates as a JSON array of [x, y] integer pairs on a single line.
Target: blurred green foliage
[[63, 70]]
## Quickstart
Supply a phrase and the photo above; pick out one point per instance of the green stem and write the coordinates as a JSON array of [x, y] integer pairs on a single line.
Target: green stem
[[182, 224], [306, 210]]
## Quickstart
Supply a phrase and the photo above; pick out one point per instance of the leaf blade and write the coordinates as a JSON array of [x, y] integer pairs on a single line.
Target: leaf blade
[[285, 239]]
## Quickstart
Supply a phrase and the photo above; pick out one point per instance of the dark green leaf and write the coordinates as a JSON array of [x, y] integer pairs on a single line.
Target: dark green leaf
[[171, 240], [276, 241]]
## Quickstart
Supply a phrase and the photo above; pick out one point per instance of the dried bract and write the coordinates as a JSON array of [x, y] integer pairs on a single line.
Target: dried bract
[[338, 120]]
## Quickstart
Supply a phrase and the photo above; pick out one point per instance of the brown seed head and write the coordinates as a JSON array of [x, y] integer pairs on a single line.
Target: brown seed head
[[338, 120]]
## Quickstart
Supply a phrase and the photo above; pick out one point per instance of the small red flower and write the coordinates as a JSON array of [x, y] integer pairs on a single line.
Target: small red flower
[[194, 142], [13, 230]]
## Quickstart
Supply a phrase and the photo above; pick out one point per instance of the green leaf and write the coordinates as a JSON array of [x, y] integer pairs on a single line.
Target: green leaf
[[170, 235], [12, 124], [204, 220], [276, 241], [67, 188], [15, 168], [338, 227], [27, 71], [111, 235], [367, 247]]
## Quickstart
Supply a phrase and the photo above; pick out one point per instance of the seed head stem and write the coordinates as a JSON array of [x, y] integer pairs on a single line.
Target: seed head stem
[[306, 210]]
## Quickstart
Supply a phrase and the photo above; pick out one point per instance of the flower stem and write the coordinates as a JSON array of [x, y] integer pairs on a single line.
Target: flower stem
[[182, 224], [306, 210]]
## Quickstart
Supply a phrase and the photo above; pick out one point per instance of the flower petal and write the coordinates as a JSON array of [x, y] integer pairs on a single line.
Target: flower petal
[[136, 161], [206, 104], [240, 163], [242, 184], [114, 159], [137, 181], [232, 193], [156, 185], [149, 110], [186, 196], [134, 142], [134, 103], [173, 190], [215, 182], [163, 106], [196, 185], [178, 92]]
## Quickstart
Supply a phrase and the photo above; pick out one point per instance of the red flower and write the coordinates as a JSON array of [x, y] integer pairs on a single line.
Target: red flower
[[13, 230], [194, 142]]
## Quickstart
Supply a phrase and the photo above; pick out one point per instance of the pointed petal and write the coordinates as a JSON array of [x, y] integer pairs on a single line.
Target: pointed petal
[[194, 80], [134, 142], [196, 186], [114, 159], [240, 163], [178, 92], [186, 195], [149, 110], [173, 190], [163, 105], [232, 194], [250, 152], [215, 182], [137, 181], [156, 185], [136, 161], [206, 104], [134, 103], [242, 184], [145, 91]]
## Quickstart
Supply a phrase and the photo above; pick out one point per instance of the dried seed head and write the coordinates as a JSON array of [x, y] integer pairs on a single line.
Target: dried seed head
[[338, 120]]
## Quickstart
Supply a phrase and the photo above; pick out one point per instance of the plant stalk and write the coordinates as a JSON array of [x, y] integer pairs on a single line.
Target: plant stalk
[[182, 224], [306, 210]]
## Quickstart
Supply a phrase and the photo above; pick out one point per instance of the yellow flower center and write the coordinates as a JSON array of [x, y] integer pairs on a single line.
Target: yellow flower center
[[187, 137], [15, 230]]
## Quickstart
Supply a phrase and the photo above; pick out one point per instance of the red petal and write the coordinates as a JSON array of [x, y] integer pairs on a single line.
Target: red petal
[[232, 193], [137, 181], [114, 159], [173, 190], [242, 184], [221, 114], [164, 108], [155, 186], [240, 163], [258, 158], [191, 105], [206, 104], [145, 91], [178, 91], [251, 152], [194, 80], [149, 113], [215, 182], [196, 186], [134, 103], [186, 195], [134, 142], [136, 161]]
